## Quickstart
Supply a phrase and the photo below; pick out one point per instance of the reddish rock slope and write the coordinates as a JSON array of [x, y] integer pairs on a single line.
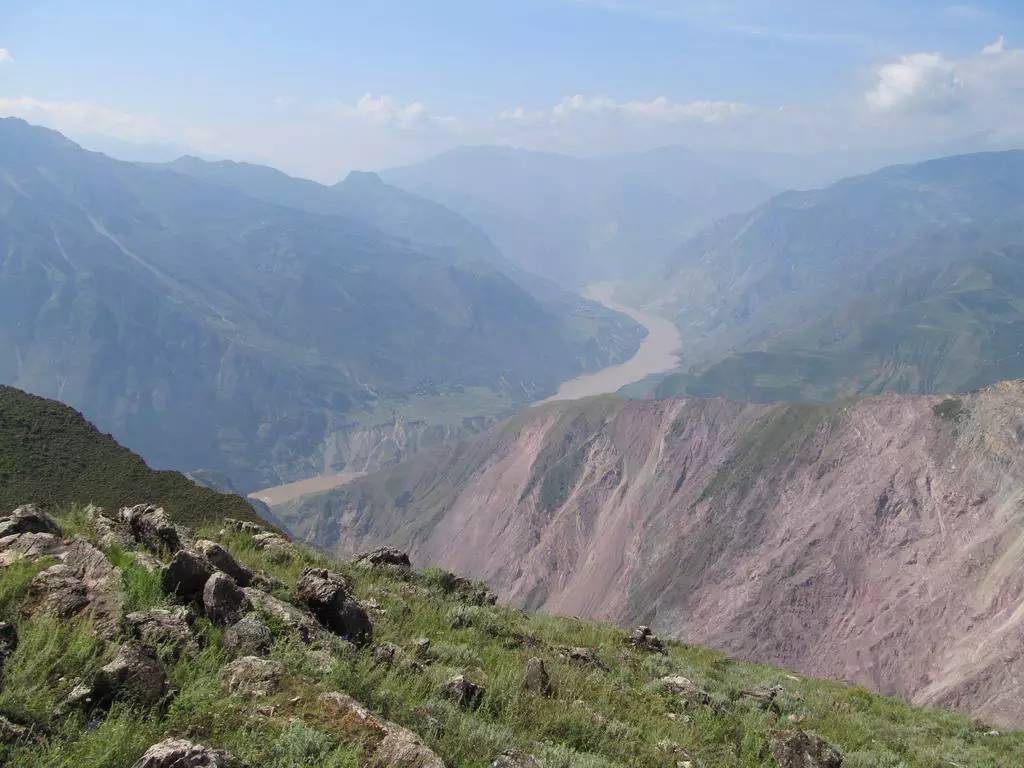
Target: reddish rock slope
[[880, 540]]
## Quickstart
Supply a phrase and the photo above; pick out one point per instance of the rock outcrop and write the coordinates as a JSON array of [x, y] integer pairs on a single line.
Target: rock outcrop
[[797, 749], [328, 596], [179, 753]]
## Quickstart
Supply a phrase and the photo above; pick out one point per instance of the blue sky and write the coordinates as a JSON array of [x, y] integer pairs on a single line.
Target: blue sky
[[321, 87]]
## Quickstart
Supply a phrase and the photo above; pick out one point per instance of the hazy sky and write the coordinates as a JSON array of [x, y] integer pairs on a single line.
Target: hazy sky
[[318, 88]]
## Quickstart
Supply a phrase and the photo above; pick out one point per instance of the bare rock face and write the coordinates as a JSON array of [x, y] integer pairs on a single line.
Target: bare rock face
[[644, 640], [28, 518], [135, 674], [252, 677], [186, 575], [384, 557], [151, 527], [463, 693], [249, 636], [396, 747], [512, 758], [179, 753], [327, 595], [798, 749], [28, 546], [222, 560], [536, 680], [223, 600], [169, 629]]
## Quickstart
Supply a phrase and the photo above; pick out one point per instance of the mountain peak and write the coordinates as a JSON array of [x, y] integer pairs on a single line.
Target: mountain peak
[[362, 179]]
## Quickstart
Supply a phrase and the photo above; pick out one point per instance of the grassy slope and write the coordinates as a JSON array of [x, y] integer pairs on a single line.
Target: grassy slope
[[616, 716], [50, 455]]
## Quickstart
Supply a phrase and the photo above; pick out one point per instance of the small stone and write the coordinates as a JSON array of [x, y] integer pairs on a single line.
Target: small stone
[[536, 679], [249, 636], [686, 690], [384, 654], [253, 677], [512, 758], [461, 692], [11, 733]]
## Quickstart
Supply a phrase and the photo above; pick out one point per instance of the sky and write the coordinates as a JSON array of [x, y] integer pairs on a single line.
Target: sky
[[319, 88]]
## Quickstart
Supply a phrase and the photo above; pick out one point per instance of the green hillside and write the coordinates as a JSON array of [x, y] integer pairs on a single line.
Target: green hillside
[[50, 455]]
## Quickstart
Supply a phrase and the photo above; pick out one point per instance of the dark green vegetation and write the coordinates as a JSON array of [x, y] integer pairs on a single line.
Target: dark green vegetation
[[611, 711], [910, 279], [242, 332], [577, 220], [51, 456]]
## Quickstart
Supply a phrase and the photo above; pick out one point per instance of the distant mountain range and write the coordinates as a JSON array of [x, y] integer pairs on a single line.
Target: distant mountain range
[[230, 318], [909, 279], [577, 220]]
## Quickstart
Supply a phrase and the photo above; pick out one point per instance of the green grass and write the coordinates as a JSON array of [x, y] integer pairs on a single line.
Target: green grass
[[607, 715]]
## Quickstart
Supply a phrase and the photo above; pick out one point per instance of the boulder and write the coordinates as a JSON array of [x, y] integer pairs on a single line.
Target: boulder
[[384, 654], [303, 623], [327, 595], [466, 590], [166, 629], [222, 560], [249, 636], [109, 531], [84, 581], [388, 745], [644, 640], [243, 526], [11, 733], [252, 677], [463, 693], [179, 753], [384, 557], [28, 518], [799, 749], [276, 547], [690, 694], [29, 546], [135, 675], [584, 657], [536, 679], [513, 758], [223, 600], [186, 576], [151, 527]]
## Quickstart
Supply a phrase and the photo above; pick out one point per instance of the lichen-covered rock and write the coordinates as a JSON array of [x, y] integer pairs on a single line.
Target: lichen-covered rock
[[799, 749], [304, 623], [391, 745], [253, 677], [28, 518], [463, 693], [249, 636], [536, 679], [179, 753], [276, 547], [385, 557], [223, 560], [691, 694], [327, 595], [186, 576], [223, 600], [644, 640], [135, 674], [151, 527], [169, 629]]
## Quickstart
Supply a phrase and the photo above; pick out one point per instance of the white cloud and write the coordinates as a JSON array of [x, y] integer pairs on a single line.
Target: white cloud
[[917, 81], [5, 56], [82, 117], [659, 108], [994, 49]]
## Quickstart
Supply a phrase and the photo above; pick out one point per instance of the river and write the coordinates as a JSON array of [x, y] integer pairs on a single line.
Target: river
[[658, 352]]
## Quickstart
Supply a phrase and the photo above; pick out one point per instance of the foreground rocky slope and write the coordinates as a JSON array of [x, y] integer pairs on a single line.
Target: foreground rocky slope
[[126, 640], [876, 540]]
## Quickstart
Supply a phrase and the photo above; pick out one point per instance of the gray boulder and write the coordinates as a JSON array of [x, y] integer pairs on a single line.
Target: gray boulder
[[307, 627], [179, 753], [28, 518], [644, 640], [151, 527], [799, 749], [186, 576], [690, 694], [384, 557], [135, 675], [223, 600], [249, 636], [222, 560], [167, 629], [327, 595], [252, 677], [463, 693], [536, 679], [513, 758]]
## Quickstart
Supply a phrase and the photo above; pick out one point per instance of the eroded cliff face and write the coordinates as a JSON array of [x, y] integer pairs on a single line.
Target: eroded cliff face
[[879, 540]]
